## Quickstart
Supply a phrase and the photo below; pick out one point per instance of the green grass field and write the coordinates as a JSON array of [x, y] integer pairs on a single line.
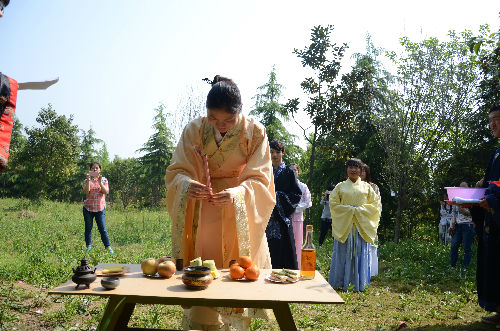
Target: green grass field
[[42, 241]]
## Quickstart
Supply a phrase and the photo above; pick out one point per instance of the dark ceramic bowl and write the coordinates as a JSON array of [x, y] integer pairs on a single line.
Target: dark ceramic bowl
[[197, 278], [197, 270], [110, 282]]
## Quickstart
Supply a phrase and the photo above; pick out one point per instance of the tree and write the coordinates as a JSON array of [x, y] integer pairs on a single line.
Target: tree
[[50, 156], [323, 58], [158, 152], [270, 113], [88, 147], [191, 105], [124, 176], [103, 155], [10, 178], [359, 94], [435, 91]]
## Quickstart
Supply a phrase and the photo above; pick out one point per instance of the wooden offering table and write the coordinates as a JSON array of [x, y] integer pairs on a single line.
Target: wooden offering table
[[135, 288]]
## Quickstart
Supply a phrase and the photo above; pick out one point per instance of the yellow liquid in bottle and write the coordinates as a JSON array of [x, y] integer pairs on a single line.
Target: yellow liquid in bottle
[[308, 263]]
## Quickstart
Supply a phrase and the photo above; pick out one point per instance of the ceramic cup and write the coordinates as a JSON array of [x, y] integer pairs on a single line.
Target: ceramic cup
[[110, 283]]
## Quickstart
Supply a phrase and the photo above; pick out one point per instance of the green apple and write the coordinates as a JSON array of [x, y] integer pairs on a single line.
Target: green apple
[[149, 266]]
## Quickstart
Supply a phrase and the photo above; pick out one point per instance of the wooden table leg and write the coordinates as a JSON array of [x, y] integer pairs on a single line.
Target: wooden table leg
[[117, 314], [284, 317]]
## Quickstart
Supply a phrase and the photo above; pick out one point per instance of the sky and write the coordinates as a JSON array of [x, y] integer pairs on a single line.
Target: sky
[[117, 60]]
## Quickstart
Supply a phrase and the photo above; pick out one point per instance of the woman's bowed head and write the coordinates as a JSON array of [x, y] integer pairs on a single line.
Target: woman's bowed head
[[223, 112], [223, 104], [353, 169]]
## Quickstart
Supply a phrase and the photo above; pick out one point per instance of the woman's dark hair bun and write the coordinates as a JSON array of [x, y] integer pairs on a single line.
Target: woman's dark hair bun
[[218, 79], [224, 94]]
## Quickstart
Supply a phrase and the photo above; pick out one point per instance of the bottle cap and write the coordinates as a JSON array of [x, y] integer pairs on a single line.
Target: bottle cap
[[309, 227]]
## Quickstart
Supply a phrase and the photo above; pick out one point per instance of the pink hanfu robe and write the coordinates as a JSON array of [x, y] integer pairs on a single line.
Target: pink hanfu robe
[[242, 164]]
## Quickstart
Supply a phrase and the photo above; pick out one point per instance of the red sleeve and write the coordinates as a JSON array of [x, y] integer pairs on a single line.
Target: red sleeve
[[7, 121]]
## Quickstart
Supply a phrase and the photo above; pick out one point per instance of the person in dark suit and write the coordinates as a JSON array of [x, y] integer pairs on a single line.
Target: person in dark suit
[[279, 230], [486, 218]]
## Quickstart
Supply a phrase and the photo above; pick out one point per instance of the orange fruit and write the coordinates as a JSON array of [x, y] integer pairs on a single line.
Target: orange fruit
[[252, 272], [245, 261], [236, 272]]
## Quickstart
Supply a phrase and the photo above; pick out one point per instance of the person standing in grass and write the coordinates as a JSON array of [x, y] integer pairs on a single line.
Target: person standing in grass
[[326, 215], [486, 218], [355, 209], [298, 216], [462, 232], [279, 231], [220, 194], [445, 211], [95, 188]]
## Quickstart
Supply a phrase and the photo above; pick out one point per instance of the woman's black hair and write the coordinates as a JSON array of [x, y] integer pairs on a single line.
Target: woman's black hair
[[5, 3], [330, 187], [368, 173], [224, 94], [92, 164], [277, 145], [354, 162]]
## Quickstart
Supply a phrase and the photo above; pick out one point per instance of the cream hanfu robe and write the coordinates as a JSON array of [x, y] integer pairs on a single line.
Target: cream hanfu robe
[[355, 209], [242, 163]]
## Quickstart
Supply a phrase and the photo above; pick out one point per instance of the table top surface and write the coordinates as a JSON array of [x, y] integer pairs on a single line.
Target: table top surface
[[134, 283]]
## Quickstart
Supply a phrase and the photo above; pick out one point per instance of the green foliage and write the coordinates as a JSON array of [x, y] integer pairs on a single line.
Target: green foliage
[[423, 124], [125, 183], [271, 113], [323, 58], [50, 156], [158, 152], [9, 179]]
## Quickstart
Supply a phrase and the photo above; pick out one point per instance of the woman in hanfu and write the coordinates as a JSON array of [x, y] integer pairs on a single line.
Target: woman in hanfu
[[221, 212], [355, 209]]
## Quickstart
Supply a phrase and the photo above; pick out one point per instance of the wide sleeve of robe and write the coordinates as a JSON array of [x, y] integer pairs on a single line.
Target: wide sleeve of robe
[[354, 204], [255, 199], [305, 199], [186, 166]]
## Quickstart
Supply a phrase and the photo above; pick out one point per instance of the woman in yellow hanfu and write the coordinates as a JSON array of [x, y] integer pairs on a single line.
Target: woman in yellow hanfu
[[355, 209], [220, 195]]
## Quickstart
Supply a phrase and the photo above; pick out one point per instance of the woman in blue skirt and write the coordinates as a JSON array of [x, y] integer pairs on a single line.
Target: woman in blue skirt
[[355, 209]]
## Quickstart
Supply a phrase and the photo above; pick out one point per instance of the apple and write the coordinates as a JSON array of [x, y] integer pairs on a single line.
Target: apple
[[149, 266], [163, 259], [166, 269]]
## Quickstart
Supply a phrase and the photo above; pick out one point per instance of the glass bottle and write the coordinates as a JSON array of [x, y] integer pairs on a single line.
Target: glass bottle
[[308, 255]]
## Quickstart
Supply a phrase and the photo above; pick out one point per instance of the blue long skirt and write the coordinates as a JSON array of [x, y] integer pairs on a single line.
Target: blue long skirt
[[350, 263]]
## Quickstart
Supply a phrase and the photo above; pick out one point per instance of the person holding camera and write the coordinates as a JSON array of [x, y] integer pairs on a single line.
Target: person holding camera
[[95, 187], [326, 216]]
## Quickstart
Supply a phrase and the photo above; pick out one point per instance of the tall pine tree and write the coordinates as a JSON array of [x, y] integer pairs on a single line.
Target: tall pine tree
[[158, 152], [271, 114]]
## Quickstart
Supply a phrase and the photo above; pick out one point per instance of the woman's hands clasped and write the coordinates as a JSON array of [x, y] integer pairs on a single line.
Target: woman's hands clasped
[[199, 191], [222, 198], [202, 192]]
